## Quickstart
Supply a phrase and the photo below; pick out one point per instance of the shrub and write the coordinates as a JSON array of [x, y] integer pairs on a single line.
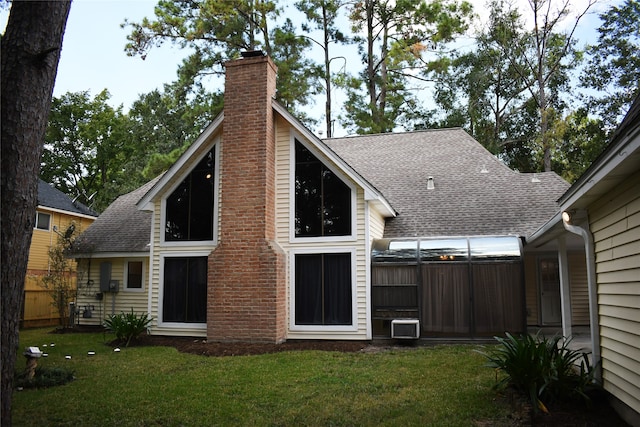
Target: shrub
[[127, 325], [543, 369], [45, 377]]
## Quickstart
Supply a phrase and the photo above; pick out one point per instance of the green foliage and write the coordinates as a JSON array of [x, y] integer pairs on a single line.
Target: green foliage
[[217, 31], [396, 42], [45, 377], [541, 368], [127, 326], [613, 67], [58, 279], [86, 145]]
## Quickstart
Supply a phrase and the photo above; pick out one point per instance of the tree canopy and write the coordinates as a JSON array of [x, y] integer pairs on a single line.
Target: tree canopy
[[403, 65]]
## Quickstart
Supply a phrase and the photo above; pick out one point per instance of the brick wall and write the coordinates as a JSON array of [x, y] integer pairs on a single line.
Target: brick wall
[[246, 286]]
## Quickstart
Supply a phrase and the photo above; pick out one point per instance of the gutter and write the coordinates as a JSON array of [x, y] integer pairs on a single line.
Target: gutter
[[589, 249]]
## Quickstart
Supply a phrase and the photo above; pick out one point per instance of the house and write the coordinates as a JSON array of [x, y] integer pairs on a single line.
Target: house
[[263, 232], [600, 214], [55, 212]]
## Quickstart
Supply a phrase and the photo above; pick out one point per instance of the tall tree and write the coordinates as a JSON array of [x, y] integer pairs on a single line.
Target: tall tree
[[30, 52], [322, 15], [543, 57], [483, 91], [87, 144], [396, 34], [613, 67], [217, 31]]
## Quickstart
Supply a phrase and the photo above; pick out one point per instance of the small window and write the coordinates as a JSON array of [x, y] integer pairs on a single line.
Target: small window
[[134, 275], [43, 221]]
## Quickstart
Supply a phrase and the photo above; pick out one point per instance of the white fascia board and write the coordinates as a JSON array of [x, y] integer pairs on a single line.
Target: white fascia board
[[62, 211], [145, 202], [370, 192]]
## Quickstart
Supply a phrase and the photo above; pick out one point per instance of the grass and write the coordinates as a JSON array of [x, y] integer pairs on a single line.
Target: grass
[[158, 386]]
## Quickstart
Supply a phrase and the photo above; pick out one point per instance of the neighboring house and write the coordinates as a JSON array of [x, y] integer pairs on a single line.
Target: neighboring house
[[601, 212], [263, 232], [54, 214]]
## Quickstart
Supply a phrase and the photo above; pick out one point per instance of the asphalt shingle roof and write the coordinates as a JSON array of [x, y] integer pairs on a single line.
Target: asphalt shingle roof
[[122, 227], [464, 202], [53, 198]]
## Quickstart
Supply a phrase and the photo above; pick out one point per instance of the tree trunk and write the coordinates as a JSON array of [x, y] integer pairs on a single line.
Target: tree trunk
[[30, 54]]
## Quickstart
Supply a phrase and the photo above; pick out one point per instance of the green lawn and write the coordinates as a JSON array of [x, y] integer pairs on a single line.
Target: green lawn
[[158, 386]]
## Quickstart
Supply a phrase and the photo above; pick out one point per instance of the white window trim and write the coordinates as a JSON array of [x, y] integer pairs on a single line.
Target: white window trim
[[292, 301], [125, 276], [216, 192], [175, 325], [292, 195], [35, 225]]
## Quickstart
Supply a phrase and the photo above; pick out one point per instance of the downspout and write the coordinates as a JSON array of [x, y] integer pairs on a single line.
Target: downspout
[[589, 249]]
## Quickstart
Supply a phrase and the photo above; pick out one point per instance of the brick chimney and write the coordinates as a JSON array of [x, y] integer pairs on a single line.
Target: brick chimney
[[247, 273]]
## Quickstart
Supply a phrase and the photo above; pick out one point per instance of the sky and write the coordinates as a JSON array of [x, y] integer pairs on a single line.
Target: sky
[[93, 56]]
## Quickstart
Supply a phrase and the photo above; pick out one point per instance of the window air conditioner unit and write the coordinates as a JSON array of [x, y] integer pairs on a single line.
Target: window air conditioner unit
[[405, 329]]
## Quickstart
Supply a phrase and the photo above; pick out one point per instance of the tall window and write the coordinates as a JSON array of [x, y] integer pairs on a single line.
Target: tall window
[[323, 201], [43, 221], [189, 209], [323, 289], [185, 290], [134, 275]]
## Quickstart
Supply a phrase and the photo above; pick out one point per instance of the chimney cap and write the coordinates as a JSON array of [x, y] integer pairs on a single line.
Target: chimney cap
[[252, 53]]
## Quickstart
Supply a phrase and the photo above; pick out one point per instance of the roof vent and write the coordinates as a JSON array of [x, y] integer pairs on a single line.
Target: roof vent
[[430, 185], [484, 169], [535, 178]]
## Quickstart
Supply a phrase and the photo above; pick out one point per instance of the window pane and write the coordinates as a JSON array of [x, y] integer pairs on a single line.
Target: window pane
[[134, 275], [323, 201], [308, 200], [42, 221], [444, 250], [337, 289], [308, 289], [337, 205], [185, 290], [385, 250], [323, 289], [189, 209], [495, 248]]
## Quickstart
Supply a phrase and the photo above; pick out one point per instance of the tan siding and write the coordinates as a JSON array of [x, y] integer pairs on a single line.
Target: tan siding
[[615, 224], [111, 302]]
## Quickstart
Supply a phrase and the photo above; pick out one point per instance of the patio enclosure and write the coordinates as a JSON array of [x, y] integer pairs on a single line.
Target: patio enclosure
[[456, 287]]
